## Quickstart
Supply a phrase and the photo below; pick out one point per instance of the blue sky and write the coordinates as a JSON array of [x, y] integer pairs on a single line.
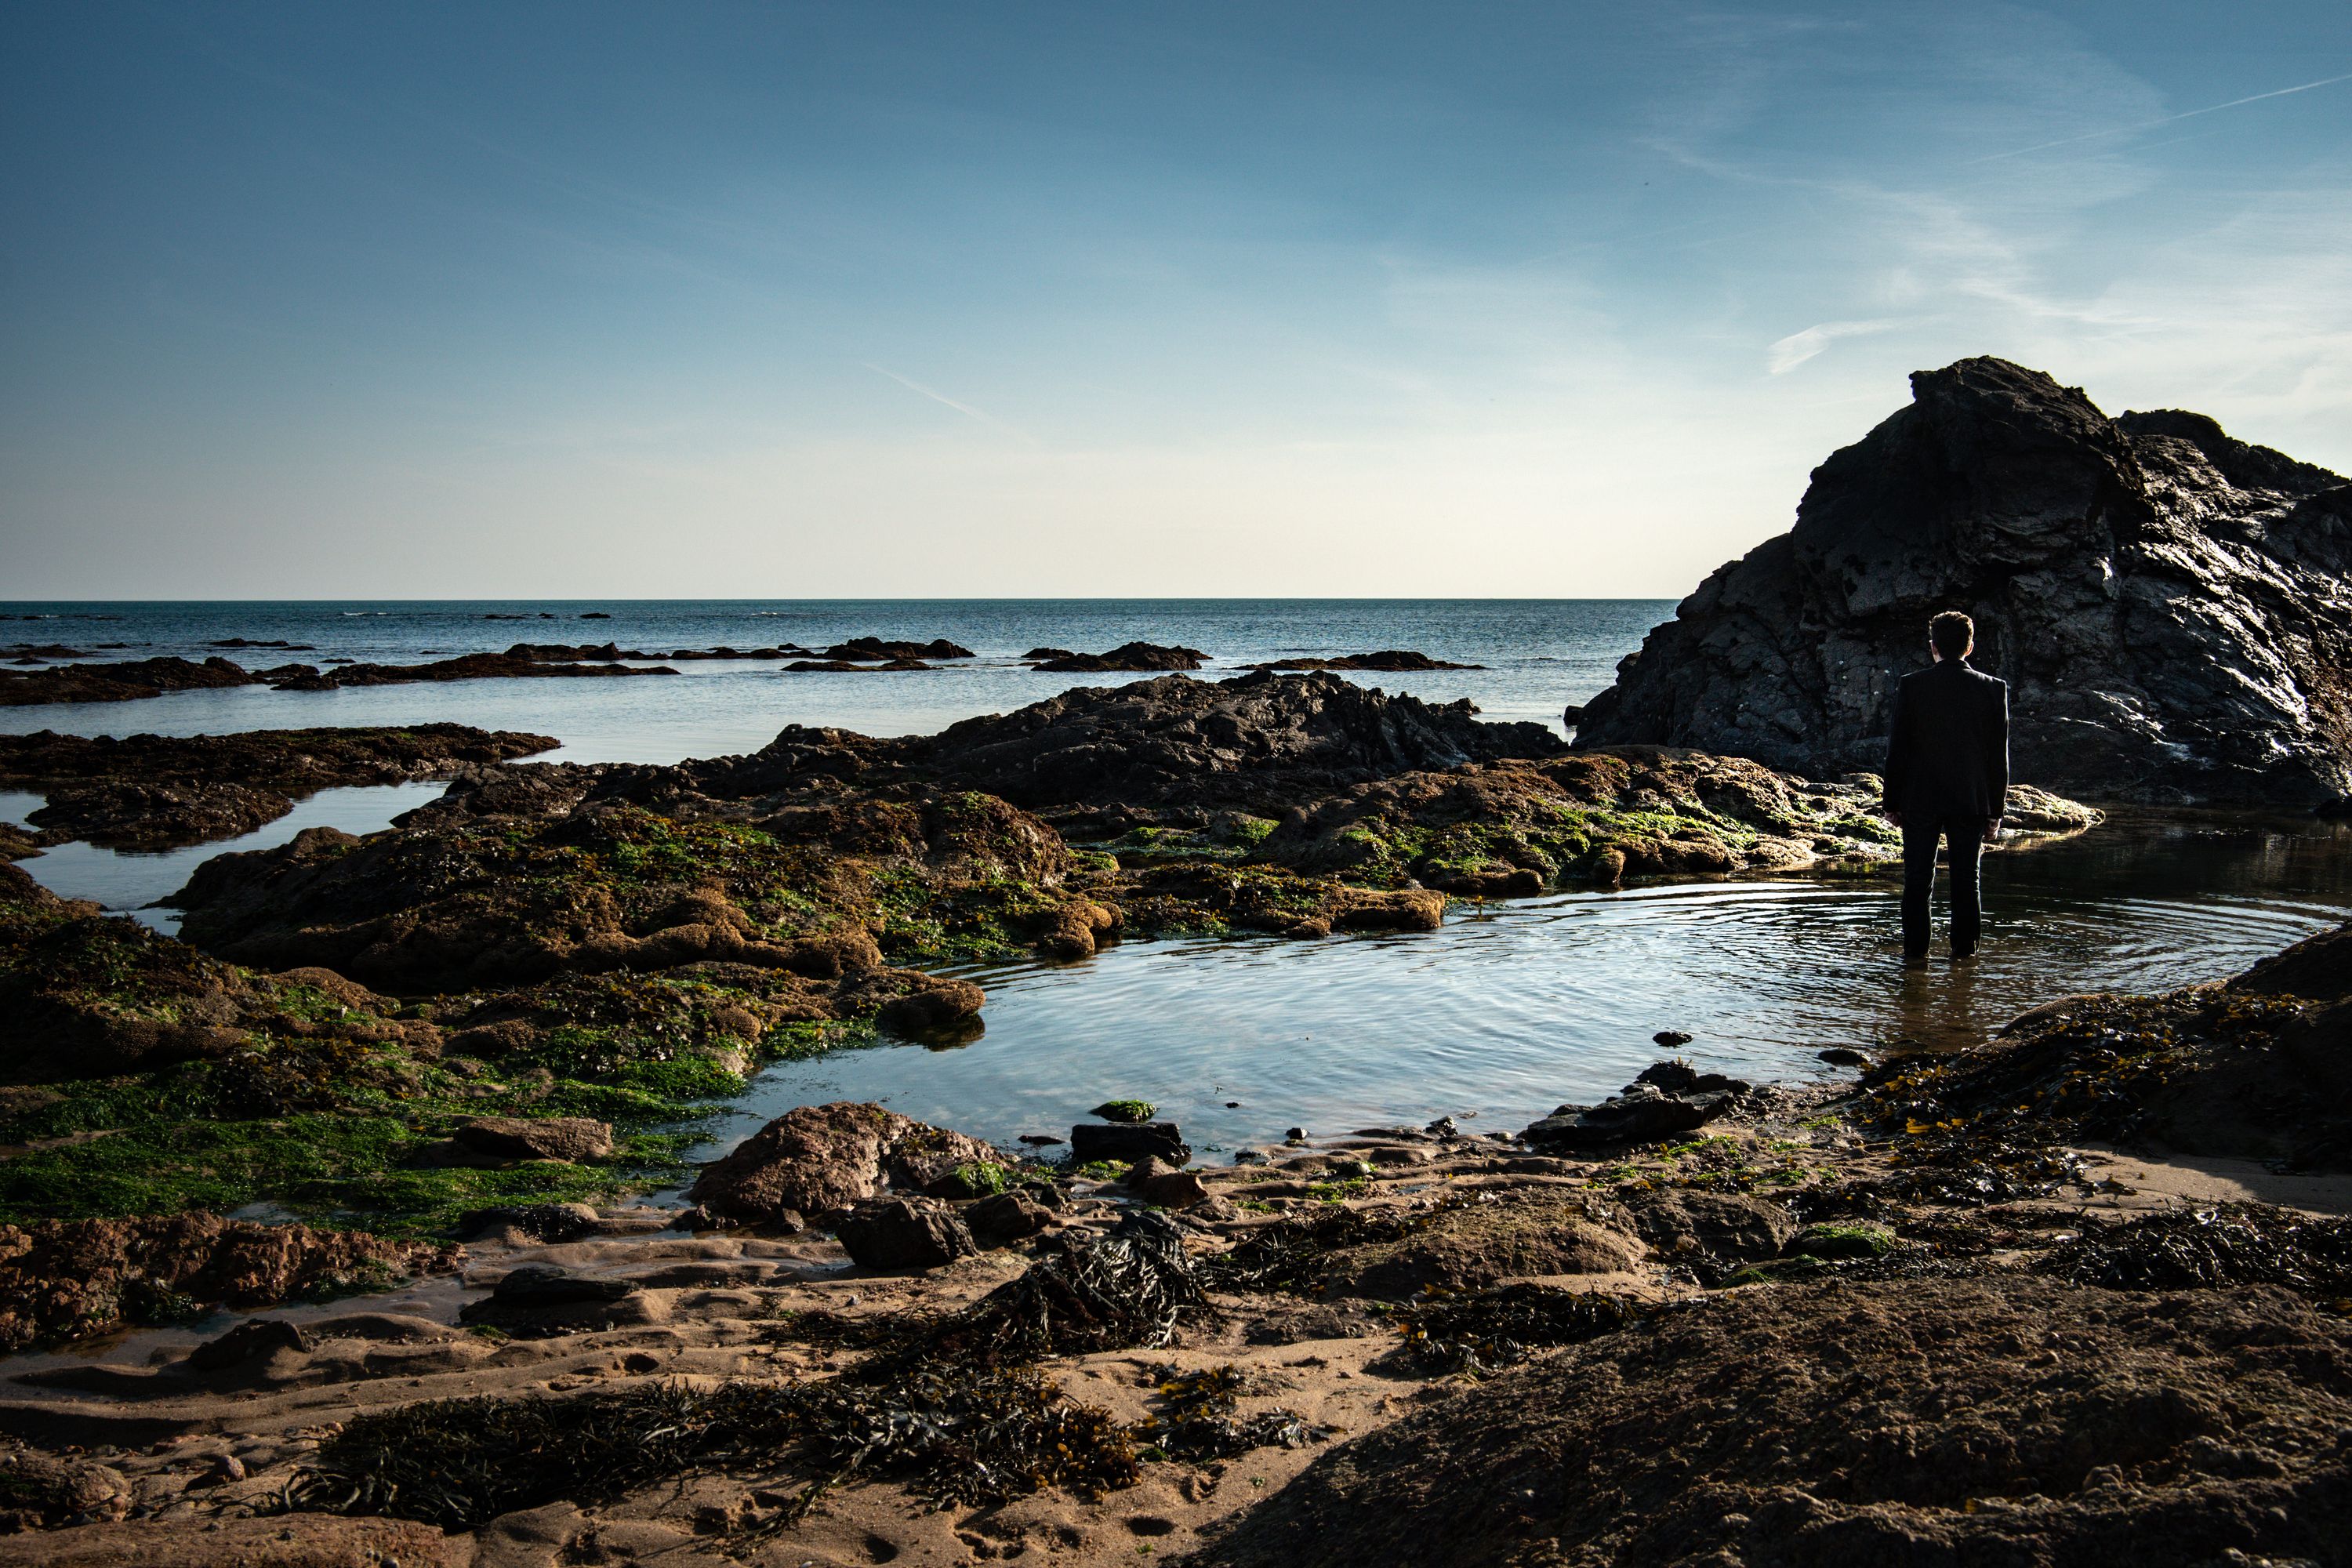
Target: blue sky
[[1224, 299]]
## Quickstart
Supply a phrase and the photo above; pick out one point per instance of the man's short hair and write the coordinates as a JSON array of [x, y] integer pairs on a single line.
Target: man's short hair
[[1952, 633]]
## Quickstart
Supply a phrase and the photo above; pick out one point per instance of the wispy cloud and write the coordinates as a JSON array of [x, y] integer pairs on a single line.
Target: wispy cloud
[[2139, 126], [1789, 353]]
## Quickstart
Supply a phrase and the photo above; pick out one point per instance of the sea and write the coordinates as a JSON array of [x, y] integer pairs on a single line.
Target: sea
[[1510, 1009], [1539, 654]]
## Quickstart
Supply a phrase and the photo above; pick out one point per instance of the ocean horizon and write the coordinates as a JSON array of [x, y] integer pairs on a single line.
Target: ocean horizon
[[1537, 656]]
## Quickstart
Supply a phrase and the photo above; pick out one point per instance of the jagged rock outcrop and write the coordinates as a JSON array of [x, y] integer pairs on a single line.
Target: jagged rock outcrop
[[2169, 606], [1262, 738]]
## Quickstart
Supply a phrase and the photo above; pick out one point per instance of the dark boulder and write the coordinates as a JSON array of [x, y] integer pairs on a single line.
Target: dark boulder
[[2319, 967], [1392, 659], [891, 1235], [255, 1338], [1668, 1098], [1727, 1227], [1127, 656], [1090, 1141], [2169, 606], [120, 680], [1006, 1217], [544, 1299], [874, 650]]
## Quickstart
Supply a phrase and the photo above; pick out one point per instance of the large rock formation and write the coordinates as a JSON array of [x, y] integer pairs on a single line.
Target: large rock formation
[[1261, 740], [2169, 606]]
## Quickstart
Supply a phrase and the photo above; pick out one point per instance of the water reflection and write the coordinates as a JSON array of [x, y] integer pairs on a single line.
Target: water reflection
[[129, 884]]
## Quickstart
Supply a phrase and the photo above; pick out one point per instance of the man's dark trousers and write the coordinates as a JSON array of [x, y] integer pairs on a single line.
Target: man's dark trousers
[[1965, 835]]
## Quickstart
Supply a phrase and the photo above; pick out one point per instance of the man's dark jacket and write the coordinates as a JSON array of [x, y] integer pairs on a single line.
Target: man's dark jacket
[[1949, 754]]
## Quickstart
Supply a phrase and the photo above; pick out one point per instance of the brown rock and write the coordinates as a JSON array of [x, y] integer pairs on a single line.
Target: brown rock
[[39, 1491], [64, 1279], [1170, 1189], [1005, 1219], [819, 1160], [896, 1235], [568, 1137], [1728, 1226], [941, 1005], [1408, 909]]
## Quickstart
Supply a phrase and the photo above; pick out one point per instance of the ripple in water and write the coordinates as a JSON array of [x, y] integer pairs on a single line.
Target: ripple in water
[[1510, 1010]]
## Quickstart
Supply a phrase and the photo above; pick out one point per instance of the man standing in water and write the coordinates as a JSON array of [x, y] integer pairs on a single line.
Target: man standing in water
[[1947, 778]]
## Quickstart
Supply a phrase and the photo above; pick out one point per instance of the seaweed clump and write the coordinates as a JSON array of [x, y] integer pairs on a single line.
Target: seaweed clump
[[951, 1404], [1288, 1255], [2230, 1244], [1494, 1329], [1200, 1419], [960, 1435], [1128, 1289]]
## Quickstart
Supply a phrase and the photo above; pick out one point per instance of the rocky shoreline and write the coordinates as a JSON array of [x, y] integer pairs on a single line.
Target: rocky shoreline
[[1933, 1315], [439, 1059], [621, 945]]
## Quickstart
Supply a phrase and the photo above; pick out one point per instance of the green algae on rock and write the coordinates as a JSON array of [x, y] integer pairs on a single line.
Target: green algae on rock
[[149, 1078]]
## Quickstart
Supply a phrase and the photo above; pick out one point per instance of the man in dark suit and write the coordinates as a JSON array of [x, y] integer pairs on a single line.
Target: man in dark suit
[[1947, 778]]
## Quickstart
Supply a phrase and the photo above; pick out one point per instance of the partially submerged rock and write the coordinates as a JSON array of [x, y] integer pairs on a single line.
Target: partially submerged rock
[[1090, 1141], [117, 680], [1127, 656], [876, 650], [1262, 738], [2319, 967], [1394, 658], [1669, 1099], [516, 662], [2249, 1068]]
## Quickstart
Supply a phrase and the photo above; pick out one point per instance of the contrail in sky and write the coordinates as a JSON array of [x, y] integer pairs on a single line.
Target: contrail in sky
[[2150, 124], [939, 396]]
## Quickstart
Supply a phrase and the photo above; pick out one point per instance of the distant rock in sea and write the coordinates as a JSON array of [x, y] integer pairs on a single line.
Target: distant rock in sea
[[1125, 657], [1393, 659], [2169, 606]]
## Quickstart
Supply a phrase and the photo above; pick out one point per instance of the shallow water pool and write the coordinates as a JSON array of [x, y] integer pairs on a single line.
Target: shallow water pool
[[1510, 1009]]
